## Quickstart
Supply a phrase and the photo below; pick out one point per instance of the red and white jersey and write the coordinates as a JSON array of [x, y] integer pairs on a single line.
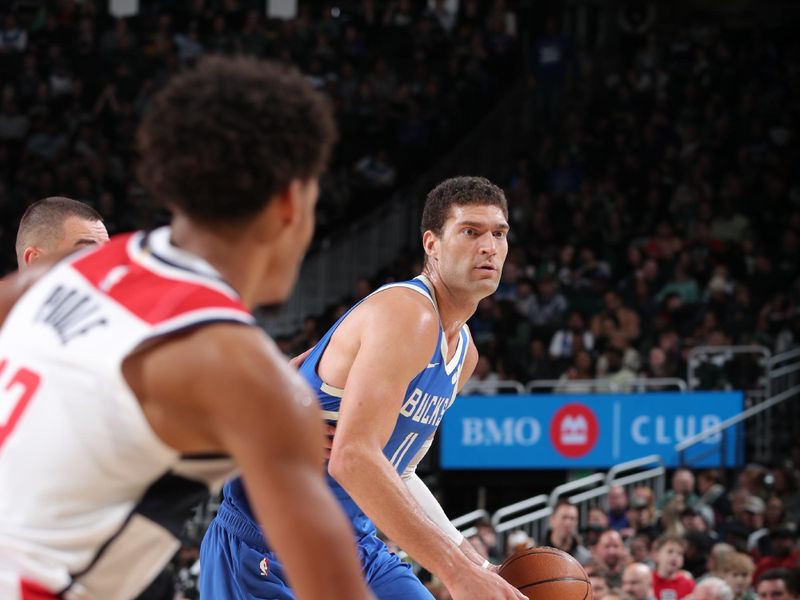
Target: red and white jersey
[[91, 501]]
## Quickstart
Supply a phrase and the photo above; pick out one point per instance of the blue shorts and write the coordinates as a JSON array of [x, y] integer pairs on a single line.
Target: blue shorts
[[235, 564]]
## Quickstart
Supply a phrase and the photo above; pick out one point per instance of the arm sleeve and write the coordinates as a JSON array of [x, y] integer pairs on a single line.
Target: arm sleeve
[[426, 499]]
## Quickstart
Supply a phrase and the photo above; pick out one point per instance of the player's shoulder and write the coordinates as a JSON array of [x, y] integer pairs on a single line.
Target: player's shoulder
[[156, 287], [401, 307]]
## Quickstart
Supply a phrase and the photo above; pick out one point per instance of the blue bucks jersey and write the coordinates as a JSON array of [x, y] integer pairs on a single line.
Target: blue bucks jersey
[[427, 398]]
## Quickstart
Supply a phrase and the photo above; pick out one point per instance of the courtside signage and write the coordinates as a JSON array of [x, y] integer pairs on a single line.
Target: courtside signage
[[585, 430]]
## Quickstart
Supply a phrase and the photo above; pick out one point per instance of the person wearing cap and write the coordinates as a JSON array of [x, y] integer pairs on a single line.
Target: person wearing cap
[[697, 518], [784, 550], [760, 542], [747, 518]]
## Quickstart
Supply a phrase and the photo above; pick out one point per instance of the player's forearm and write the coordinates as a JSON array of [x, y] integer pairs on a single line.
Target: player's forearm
[[469, 551], [378, 490]]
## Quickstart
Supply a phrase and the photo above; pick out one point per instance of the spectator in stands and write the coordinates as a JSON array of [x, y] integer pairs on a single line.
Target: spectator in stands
[[712, 493], [618, 508], [597, 579], [639, 548], [712, 588], [616, 375], [784, 550], [484, 379], [539, 364], [752, 515], [581, 369], [637, 582], [610, 553], [549, 305], [719, 553], [669, 581], [517, 541], [572, 338], [777, 584], [760, 541], [682, 488], [737, 569], [563, 532], [641, 517], [488, 535], [785, 486], [627, 320]]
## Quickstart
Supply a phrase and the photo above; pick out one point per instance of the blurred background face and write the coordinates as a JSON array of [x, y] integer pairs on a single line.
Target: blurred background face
[[637, 582], [564, 521], [599, 586], [739, 580], [610, 549]]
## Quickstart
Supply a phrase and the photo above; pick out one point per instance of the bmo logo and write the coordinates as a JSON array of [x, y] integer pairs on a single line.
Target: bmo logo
[[574, 430]]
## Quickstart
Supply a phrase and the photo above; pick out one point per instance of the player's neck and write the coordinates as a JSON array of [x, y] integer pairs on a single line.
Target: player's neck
[[455, 309], [229, 252]]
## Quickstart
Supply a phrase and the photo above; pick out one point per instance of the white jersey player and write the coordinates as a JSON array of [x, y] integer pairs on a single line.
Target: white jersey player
[[132, 377]]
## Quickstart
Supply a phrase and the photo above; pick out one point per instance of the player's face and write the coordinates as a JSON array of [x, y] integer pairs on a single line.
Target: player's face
[[296, 237], [79, 232], [471, 250]]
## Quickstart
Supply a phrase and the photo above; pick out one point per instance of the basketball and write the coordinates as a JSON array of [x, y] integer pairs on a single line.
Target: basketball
[[547, 574]]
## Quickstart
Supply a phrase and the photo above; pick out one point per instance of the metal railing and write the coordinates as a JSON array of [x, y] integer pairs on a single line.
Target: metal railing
[[471, 519], [584, 493], [717, 365], [533, 522], [719, 428], [703, 355], [492, 387], [648, 470], [783, 423], [606, 385]]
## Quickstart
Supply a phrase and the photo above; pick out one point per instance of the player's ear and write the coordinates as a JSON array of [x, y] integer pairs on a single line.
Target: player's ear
[[430, 243], [31, 254]]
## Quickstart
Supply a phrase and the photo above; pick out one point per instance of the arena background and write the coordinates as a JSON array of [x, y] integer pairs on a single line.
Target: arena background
[[648, 151]]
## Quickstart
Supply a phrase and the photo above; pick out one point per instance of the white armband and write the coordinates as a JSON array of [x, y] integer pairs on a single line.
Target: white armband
[[431, 507]]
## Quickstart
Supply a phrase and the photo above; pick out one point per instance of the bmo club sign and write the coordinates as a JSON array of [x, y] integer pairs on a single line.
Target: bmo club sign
[[585, 430]]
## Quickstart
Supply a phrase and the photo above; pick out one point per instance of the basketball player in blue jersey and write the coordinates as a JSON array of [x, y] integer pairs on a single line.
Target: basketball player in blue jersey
[[385, 374]]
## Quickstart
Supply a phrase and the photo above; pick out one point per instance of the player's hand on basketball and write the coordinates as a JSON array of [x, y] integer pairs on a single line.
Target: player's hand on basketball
[[484, 584]]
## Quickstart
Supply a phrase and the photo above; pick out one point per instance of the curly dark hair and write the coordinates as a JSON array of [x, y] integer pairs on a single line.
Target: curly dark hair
[[222, 139], [459, 191]]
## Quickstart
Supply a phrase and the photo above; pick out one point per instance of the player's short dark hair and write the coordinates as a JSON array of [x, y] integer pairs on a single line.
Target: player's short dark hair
[[221, 139], [459, 191], [42, 222]]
